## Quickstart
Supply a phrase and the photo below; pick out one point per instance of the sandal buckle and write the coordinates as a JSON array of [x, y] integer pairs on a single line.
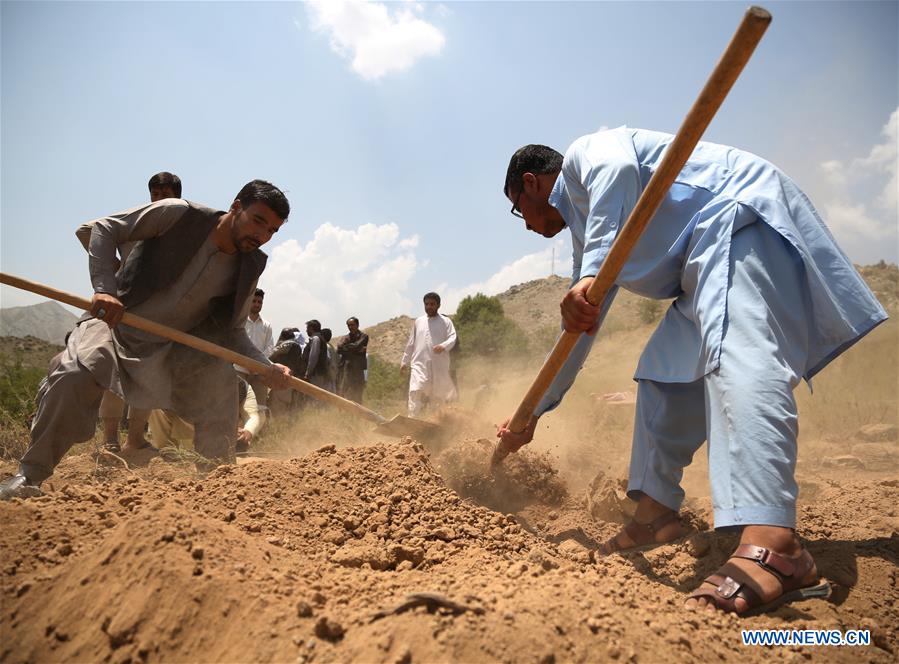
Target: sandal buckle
[[728, 588]]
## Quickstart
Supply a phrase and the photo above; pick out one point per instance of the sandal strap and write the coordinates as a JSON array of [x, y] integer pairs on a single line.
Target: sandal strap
[[787, 570], [725, 592], [645, 533]]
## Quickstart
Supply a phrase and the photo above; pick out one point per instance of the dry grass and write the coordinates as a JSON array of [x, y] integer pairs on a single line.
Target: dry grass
[[858, 388]]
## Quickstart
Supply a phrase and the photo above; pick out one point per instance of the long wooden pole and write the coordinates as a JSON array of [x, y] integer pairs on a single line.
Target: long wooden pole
[[736, 55], [251, 365]]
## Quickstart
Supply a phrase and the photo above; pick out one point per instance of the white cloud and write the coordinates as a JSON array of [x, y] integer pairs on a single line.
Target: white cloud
[[340, 273], [862, 208], [376, 40], [369, 272], [526, 268]]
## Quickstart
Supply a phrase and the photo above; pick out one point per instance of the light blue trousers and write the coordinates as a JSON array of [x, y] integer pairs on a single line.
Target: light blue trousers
[[745, 408]]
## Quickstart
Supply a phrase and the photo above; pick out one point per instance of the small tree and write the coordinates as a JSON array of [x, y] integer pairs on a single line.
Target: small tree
[[484, 329]]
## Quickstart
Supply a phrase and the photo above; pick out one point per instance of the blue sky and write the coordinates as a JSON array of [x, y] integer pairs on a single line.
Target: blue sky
[[390, 126]]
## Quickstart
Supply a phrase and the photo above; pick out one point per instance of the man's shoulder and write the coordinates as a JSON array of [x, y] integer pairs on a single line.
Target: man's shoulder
[[172, 206], [184, 203]]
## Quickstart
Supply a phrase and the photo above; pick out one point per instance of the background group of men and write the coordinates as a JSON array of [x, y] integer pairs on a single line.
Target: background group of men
[[341, 369]]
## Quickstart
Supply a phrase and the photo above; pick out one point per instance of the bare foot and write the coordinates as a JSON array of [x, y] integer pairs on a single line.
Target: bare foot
[[765, 584], [648, 512]]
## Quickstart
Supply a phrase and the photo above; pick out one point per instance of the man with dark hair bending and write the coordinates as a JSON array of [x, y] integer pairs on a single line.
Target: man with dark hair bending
[[192, 268], [763, 298]]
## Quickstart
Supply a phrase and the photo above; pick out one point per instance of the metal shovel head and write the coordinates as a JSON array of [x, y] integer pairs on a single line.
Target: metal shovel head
[[400, 425]]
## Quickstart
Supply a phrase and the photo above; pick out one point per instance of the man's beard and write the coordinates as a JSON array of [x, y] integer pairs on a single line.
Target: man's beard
[[247, 244]]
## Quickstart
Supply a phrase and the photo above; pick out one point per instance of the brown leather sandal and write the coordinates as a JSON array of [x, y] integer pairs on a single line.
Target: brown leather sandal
[[643, 535], [723, 591]]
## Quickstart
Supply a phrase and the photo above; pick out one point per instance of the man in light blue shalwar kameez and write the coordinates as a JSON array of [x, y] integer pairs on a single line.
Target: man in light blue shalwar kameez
[[763, 298]]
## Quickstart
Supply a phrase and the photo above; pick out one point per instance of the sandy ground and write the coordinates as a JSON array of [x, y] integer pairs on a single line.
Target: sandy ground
[[325, 558]]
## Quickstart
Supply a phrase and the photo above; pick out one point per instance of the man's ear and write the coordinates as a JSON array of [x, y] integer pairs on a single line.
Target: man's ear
[[530, 183], [236, 206]]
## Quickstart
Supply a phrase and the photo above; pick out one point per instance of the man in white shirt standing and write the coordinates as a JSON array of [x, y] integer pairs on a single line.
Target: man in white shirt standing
[[427, 353], [260, 332]]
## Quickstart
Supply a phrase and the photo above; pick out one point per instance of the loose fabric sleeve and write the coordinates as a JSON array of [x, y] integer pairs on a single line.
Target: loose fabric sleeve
[[565, 378], [603, 178], [450, 341], [410, 347], [315, 349], [108, 233], [607, 179], [269, 344]]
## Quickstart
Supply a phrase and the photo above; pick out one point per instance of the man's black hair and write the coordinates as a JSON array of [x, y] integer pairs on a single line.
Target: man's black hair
[[259, 293], [260, 191], [353, 319], [166, 180], [431, 296], [536, 159], [327, 334], [314, 324], [288, 334]]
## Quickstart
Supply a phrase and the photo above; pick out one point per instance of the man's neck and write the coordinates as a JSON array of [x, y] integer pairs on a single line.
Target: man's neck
[[221, 234], [254, 317]]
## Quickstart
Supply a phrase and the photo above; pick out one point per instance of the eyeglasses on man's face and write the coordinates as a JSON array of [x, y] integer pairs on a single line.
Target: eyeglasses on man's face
[[516, 212]]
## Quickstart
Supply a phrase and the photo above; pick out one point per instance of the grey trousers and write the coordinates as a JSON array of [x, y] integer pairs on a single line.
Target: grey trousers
[[204, 393]]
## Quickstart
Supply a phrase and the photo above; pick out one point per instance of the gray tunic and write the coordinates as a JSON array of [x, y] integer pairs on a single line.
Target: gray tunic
[[133, 363]]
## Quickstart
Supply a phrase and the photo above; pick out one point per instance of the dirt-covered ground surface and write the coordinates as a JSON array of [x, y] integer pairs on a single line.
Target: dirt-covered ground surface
[[391, 552]]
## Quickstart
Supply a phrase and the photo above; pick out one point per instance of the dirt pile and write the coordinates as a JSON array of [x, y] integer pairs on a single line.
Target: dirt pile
[[366, 554]]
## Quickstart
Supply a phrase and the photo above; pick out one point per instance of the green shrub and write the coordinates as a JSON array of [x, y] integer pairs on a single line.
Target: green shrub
[[385, 386], [484, 330], [18, 387]]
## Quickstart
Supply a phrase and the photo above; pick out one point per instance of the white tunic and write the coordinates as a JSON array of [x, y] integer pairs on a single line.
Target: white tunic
[[430, 371]]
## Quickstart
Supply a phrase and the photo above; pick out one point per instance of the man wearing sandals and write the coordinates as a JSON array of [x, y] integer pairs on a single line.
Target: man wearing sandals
[[763, 298], [192, 268]]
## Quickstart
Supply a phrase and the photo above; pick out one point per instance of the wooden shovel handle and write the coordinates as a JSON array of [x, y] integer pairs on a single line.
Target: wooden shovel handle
[[735, 57], [251, 365]]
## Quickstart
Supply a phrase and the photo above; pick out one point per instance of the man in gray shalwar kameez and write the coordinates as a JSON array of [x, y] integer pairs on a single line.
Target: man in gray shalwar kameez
[[192, 268]]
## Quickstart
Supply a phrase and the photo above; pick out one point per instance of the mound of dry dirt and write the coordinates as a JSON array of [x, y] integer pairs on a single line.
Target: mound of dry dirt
[[369, 554]]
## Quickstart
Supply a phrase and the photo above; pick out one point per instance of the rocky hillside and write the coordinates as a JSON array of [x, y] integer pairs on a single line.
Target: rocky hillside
[[883, 279], [534, 306], [49, 321], [388, 339], [29, 352]]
